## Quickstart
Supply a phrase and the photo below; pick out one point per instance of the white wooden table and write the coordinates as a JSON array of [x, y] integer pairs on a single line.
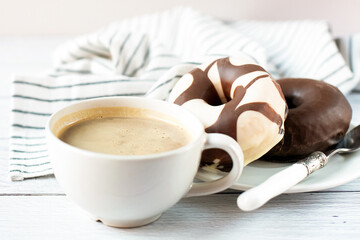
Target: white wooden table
[[38, 209]]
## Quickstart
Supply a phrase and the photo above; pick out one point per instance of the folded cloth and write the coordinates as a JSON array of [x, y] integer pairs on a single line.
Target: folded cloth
[[147, 55], [349, 47]]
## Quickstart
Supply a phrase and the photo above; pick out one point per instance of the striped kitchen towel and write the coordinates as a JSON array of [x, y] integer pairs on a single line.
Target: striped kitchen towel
[[147, 55]]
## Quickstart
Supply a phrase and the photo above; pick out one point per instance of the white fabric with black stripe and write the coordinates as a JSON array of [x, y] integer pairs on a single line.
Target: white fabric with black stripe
[[146, 56]]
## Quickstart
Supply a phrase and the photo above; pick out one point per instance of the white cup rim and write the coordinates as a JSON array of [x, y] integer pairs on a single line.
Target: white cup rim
[[117, 157]]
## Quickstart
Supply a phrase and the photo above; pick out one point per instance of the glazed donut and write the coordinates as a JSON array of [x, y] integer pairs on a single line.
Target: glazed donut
[[319, 116], [237, 97]]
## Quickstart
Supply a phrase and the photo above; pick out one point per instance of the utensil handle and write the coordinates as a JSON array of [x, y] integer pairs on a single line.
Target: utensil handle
[[280, 182]]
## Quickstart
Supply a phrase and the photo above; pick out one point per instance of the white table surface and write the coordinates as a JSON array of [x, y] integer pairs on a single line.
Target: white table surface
[[38, 209]]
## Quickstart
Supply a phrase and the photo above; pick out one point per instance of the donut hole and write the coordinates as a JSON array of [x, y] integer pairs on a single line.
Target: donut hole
[[216, 102], [293, 101]]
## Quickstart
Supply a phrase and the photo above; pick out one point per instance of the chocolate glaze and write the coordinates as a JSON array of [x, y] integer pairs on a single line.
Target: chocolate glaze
[[319, 116], [203, 88], [208, 156]]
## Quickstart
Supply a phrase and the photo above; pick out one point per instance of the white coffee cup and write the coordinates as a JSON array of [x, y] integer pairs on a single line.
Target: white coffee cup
[[130, 191]]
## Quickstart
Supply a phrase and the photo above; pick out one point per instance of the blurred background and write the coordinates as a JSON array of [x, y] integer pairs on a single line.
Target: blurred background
[[69, 17]]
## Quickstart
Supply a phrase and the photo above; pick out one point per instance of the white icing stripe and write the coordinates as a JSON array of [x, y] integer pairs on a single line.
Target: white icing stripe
[[264, 90], [206, 64], [214, 77], [244, 80], [207, 114], [256, 134], [181, 86]]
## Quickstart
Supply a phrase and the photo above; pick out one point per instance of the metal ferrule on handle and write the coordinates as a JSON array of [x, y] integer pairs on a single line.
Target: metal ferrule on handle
[[314, 162]]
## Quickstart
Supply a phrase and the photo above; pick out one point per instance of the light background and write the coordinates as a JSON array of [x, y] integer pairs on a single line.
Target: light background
[[68, 17]]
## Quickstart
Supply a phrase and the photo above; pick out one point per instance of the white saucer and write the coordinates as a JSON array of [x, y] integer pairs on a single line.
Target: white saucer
[[340, 169]]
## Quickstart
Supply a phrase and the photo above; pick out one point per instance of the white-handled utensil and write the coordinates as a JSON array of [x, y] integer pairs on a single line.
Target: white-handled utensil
[[285, 179]]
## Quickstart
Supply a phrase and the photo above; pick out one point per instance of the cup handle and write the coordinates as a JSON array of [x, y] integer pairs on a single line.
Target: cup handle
[[222, 141]]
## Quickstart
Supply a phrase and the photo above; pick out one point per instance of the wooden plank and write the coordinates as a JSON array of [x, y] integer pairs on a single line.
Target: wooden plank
[[296, 216]]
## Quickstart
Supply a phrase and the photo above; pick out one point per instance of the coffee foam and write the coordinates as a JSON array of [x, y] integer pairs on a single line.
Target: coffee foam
[[122, 131], [105, 112]]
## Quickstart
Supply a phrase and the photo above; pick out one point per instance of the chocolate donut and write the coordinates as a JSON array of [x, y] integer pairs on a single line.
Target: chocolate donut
[[237, 97], [319, 116]]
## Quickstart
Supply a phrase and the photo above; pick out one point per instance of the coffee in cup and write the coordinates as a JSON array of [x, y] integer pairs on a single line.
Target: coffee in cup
[[122, 131]]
